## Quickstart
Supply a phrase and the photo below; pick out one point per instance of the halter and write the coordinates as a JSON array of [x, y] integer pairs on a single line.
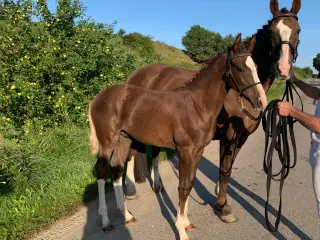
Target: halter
[[294, 50], [238, 89]]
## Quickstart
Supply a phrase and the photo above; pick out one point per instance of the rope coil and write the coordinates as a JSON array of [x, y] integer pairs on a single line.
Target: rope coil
[[277, 131]]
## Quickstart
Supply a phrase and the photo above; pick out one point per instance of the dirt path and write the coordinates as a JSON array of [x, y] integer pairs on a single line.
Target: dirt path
[[246, 194]]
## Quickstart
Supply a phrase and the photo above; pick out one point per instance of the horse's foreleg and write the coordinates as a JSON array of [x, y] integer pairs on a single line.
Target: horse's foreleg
[[121, 153], [188, 163], [229, 150], [155, 174], [120, 199], [101, 169]]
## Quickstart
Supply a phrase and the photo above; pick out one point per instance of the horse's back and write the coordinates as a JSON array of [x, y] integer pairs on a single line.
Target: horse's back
[[160, 77]]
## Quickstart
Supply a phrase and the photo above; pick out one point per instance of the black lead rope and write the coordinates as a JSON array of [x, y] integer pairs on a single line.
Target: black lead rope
[[278, 132]]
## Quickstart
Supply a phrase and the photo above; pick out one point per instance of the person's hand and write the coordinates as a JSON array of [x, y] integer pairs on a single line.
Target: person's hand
[[284, 109]]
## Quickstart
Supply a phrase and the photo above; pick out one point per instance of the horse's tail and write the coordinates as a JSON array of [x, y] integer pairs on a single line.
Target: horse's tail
[[94, 143], [138, 152]]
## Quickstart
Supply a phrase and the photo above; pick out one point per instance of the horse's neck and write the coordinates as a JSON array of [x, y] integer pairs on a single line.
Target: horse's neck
[[261, 56], [210, 83]]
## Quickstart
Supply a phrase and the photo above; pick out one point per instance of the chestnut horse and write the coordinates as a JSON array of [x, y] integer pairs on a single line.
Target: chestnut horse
[[183, 119], [274, 52]]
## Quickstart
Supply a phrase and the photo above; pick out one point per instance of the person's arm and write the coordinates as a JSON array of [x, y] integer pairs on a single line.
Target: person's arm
[[310, 122], [309, 90]]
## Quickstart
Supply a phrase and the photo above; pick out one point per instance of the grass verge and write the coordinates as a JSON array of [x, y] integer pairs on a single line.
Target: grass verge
[[42, 178]]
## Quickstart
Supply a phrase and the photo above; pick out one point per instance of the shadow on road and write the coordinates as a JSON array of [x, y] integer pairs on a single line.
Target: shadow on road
[[211, 171]]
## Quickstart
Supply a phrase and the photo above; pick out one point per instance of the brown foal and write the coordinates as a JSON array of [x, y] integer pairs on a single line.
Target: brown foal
[[183, 119]]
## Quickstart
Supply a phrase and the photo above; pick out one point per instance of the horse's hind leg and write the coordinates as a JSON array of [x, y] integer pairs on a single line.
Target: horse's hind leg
[[121, 152], [188, 163], [155, 174], [101, 169], [228, 153]]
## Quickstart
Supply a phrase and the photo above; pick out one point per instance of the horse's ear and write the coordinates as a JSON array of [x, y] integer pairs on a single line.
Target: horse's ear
[[274, 7], [296, 5], [237, 42], [252, 43]]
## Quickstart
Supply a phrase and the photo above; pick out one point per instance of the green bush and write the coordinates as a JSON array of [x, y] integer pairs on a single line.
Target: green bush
[[51, 69], [202, 44], [303, 73], [316, 63], [143, 45]]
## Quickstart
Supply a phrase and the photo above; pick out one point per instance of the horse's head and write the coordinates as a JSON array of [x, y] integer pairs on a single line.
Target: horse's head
[[242, 74], [284, 32]]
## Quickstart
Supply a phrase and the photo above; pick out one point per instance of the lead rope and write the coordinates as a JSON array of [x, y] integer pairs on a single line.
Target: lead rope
[[278, 132]]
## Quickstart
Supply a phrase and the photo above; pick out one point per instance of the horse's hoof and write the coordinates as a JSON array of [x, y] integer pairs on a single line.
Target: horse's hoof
[[131, 221], [190, 228], [230, 218], [131, 197], [109, 228]]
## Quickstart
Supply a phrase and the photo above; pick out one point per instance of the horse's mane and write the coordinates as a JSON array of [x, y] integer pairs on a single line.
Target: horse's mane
[[209, 64], [189, 82]]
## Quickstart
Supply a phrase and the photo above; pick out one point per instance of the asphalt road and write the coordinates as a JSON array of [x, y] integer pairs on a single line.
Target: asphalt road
[[246, 194]]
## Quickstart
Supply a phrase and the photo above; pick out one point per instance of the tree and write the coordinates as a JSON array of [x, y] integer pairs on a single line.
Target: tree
[[143, 45], [316, 62], [201, 44]]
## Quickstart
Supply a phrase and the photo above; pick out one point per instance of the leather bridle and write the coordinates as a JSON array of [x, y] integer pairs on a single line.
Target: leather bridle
[[241, 91], [277, 47]]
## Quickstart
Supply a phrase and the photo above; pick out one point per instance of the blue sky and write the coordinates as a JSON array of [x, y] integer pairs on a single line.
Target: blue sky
[[169, 20]]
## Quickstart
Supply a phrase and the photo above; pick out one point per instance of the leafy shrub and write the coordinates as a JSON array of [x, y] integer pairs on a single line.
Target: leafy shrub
[[143, 45], [303, 73], [51, 69]]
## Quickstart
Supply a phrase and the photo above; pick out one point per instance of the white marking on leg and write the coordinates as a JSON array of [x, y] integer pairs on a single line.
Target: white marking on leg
[[285, 33], [121, 204], [262, 93], [130, 180], [183, 221], [217, 188], [155, 174], [103, 211]]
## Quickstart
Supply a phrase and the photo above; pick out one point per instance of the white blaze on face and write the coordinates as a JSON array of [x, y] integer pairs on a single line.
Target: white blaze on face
[[251, 65], [285, 33]]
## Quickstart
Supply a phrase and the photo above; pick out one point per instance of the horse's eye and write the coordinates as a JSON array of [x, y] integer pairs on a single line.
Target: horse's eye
[[239, 69]]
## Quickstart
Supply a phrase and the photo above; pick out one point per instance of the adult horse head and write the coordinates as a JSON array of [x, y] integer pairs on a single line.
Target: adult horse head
[[284, 32]]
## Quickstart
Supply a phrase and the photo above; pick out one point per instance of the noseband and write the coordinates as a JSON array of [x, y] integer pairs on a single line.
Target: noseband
[[294, 50], [238, 89]]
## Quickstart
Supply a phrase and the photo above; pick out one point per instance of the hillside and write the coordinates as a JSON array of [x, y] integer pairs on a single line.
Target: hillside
[[174, 56]]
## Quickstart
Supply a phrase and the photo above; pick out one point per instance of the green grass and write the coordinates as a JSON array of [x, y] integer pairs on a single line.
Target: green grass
[[278, 87], [174, 56], [42, 178]]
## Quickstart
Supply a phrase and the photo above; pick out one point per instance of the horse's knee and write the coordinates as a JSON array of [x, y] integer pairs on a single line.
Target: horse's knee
[[184, 191], [224, 177], [116, 172], [101, 168]]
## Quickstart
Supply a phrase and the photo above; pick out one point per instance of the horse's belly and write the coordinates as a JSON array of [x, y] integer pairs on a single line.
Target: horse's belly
[[156, 136]]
